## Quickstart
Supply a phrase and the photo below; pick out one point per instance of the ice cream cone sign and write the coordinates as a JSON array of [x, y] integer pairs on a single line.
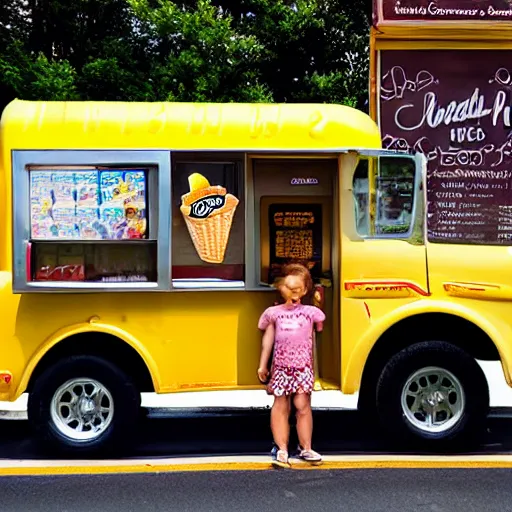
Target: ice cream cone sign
[[208, 212]]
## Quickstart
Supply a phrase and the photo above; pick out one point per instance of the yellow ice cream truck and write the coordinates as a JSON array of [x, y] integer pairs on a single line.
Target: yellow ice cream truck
[[139, 244]]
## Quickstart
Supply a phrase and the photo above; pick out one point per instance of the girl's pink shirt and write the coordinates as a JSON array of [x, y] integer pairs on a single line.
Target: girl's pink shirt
[[293, 344]]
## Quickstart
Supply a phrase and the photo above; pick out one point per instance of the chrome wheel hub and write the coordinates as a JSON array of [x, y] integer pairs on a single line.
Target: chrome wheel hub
[[433, 399], [87, 406], [82, 409]]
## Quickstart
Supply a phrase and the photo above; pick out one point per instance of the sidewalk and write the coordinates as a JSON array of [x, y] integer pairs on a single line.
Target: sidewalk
[[245, 463]]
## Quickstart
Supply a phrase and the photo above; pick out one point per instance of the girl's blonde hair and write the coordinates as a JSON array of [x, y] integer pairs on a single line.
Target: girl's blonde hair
[[296, 269]]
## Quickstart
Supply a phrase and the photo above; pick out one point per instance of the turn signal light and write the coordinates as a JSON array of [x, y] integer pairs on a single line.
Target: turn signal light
[[5, 377]]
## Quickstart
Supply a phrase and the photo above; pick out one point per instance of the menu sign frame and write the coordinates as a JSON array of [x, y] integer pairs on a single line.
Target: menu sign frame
[[455, 107], [290, 223], [76, 274], [438, 11]]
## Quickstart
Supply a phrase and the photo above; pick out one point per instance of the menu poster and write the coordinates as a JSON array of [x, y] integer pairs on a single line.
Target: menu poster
[[295, 235], [442, 10], [88, 204], [123, 204], [455, 107]]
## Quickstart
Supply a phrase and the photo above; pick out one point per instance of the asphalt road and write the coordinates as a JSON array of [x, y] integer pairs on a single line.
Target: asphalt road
[[361, 490], [246, 433], [382, 490]]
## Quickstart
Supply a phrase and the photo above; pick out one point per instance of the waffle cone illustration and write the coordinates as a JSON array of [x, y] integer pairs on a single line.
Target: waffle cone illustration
[[208, 212]]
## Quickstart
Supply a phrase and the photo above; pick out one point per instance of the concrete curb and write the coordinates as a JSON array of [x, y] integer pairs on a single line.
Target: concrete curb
[[245, 463]]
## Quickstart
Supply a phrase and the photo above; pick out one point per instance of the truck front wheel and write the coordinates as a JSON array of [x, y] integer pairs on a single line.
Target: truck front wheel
[[84, 405], [433, 395]]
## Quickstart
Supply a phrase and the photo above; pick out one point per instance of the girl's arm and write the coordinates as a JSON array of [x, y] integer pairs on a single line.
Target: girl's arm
[[266, 349], [318, 319]]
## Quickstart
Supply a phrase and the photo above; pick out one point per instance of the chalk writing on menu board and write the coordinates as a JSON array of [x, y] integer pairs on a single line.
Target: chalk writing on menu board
[[447, 10], [295, 234], [455, 107]]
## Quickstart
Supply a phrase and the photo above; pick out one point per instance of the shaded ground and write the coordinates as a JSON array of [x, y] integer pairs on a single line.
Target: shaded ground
[[246, 433]]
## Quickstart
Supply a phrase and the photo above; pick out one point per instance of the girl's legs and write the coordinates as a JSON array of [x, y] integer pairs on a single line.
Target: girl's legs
[[279, 421], [302, 403]]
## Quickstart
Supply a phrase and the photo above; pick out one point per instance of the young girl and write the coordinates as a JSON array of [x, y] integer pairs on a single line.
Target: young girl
[[289, 330]]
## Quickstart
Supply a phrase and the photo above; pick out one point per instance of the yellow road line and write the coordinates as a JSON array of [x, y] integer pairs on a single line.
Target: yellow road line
[[48, 468]]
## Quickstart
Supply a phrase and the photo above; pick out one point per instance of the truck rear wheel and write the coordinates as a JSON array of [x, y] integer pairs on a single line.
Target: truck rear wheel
[[84, 405], [433, 395]]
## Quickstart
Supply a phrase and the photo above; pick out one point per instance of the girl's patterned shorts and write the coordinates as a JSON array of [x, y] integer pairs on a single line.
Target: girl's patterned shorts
[[287, 381]]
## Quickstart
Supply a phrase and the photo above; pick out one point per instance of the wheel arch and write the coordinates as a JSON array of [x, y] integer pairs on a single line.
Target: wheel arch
[[100, 340], [483, 338]]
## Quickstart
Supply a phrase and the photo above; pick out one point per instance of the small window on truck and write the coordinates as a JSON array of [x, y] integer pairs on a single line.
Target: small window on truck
[[92, 223], [90, 226], [208, 222], [384, 196]]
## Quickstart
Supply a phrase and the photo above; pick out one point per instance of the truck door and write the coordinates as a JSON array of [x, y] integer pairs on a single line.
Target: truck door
[[383, 251]]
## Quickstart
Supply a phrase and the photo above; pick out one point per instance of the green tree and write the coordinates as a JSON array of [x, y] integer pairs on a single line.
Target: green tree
[[198, 55], [71, 49], [78, 30], [315, 50], [193, 50], [13, 28], [35, 78]]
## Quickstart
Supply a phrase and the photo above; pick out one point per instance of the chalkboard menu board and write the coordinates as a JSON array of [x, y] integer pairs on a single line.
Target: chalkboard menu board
[[442, 10], [295, 235], [455, 107]]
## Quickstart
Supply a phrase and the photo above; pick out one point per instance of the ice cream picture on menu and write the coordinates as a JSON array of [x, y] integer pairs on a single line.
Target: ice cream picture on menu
[[208, 211]]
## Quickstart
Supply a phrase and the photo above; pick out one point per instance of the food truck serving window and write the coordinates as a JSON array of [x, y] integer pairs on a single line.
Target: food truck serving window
[[86, 223], [208, 222]]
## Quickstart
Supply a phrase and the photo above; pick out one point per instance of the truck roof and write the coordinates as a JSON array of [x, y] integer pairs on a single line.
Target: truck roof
[[185, 126]]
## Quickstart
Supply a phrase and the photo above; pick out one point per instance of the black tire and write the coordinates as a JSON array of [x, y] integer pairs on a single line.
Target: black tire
[[117, 437], [464, 433]]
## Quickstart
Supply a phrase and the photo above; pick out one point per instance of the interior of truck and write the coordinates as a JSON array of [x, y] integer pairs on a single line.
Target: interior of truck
[[297, 221]]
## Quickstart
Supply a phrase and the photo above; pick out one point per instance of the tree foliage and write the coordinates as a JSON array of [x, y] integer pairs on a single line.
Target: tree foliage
[[195, 50]]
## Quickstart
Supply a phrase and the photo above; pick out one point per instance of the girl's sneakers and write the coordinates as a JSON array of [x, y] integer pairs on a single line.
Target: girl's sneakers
[[309, 456], [280, 458]]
